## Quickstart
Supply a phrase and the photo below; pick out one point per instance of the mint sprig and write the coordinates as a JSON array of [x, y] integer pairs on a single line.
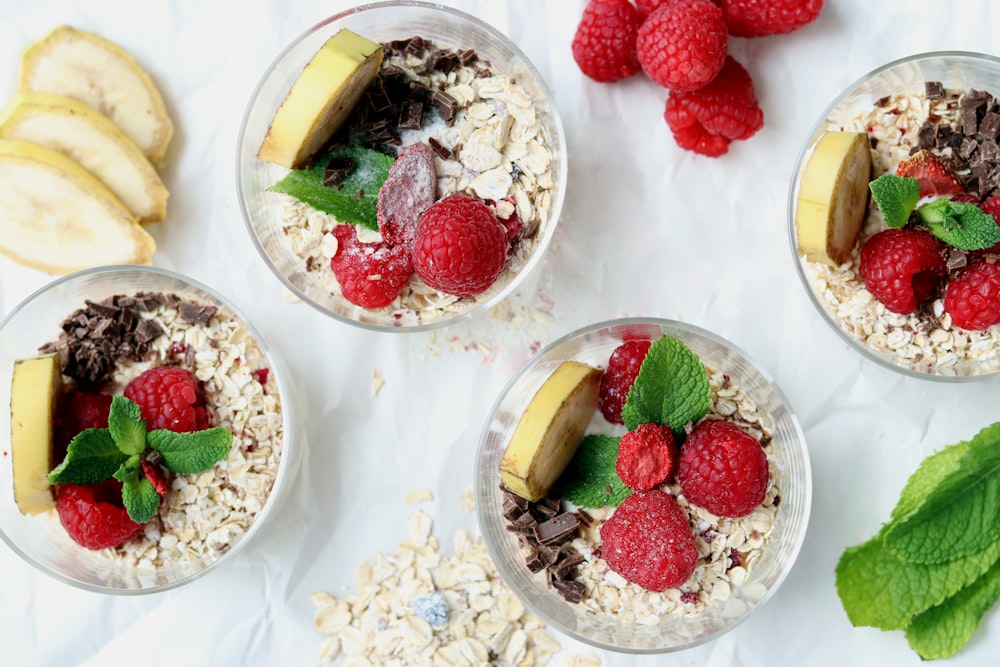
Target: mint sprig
[[896, 197], [590, 479], [671, 388], [98, 454]]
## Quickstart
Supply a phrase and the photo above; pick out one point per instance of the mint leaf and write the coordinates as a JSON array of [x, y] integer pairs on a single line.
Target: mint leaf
[[590, 479], [671, 388], [129, 470], [355, 201], [91, 457], [128, 428], [896, 197], [187, 453], [932, 471], [941, 631], [140, 499], [879, 589], [960, 224]]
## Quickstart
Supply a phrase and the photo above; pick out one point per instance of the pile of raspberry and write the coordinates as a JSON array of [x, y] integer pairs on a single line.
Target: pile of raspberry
[[683, 46]]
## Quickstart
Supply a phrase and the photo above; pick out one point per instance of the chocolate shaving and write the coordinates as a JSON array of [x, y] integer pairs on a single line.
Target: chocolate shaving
[[438, 149], [337, 169], [194, 313]]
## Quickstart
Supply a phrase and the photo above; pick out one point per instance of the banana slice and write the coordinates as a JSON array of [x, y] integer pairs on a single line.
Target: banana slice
[[34, 391], [57, 217], [99, 73], [833, 197], [78, 132], [550, 430], [321, 99]]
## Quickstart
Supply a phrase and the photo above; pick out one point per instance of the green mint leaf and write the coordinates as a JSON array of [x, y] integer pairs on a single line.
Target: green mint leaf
[[932, 471], [140, 499], [896, 197], [960, 515], [960, 224], [128, 428], [941, 631], [355, 200], [879, 589], [187, 453], [671, 388], [129, 470], [91, 457], [590, 479]]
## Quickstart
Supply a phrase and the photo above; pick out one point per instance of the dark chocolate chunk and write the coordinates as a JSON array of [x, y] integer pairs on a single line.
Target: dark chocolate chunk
[[969, 146], [411, 114], [194, 313], [445, 104], [438, 149], [420, 91], [544, 512], [990, 126], [558, 529], [104, 309], [147, 331], [934, 90], [444, 61], [563, 569], [549, 555], [511, 511], [467, 57], [524, 524], [883, 101], [957, 258], [970, 122], [534, 562], [378, 98], [337, 169], [571, 591]]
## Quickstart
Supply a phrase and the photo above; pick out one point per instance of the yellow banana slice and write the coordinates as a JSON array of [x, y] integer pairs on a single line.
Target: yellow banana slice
[[58, 217], [34, 392], [833, 197], [321, 99], [78, 132], [550, 430], [99, 73]]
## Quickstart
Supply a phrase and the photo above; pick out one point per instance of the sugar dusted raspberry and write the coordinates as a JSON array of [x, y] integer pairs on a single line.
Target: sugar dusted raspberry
[[646, 457], [648, 541], [623, 367], [604, 43], [706, 121], [460, 247], [723, 469], [930, 171], [169, 398], [972, 297], [682, 45], [409, 189], [758, 18], [901, 267], [371, 275], [93, 514]]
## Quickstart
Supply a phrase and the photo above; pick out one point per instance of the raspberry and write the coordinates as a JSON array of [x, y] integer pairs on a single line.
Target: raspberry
[[706, 120], [79, 411], [93, 515], [972, 298], [371, 275], [901, 267], [723, 469], [168, 397], [155, 475], [623, 367], [991, 206], [604, 43], [409, 190], [460, 247], [682, 45], [646, 456], [648, 541], [934, 177], [758, 18]]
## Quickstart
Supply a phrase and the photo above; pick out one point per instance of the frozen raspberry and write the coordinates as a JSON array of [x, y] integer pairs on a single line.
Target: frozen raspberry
[[646, 457], [706, 121], [169, 397], [604, 43], [93, 514], [901, 267], [682, 45], [460, 247], [371, 275], [409, 189], [79, 411], [932, 174], [723, 469], [972, 298], [623, 367], [648, 541], [758, 18]]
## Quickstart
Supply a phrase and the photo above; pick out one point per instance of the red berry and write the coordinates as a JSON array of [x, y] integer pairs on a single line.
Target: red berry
[[155, 475], [723, 469], [990, 205], [169, 397], [93, 515], [409, 190], [79, 411], [758, 18], [706, 121], [682, 45], [460, 247], [934, 177], [371, 275], [901, 267], [648, 541], [972, 298], [623, 367], [646, 456], [604, 43]]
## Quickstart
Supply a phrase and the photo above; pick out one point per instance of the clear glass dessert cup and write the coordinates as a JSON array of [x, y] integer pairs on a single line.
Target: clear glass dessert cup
[[383, 22], [593, 345], [40, 540], [956, 70]]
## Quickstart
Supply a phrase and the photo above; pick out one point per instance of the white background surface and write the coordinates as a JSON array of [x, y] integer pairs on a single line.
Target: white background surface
[[647, 229]]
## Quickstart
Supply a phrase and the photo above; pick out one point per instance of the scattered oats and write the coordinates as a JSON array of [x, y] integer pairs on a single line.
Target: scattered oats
[[418, 496], [468, 499], [377, 381]]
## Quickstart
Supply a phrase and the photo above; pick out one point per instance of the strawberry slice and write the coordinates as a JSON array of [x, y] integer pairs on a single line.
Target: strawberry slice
[[929, 170], [409, 190]]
